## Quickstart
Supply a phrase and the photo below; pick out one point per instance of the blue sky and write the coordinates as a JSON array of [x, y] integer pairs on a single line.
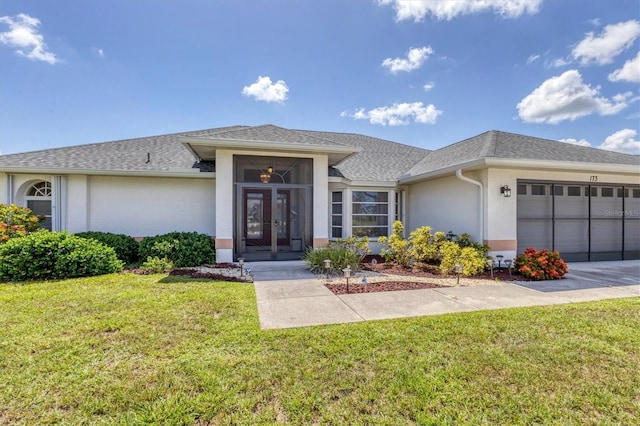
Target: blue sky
[[425, 73]]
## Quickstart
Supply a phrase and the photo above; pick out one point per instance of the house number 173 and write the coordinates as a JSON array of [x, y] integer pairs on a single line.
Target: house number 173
[[593, 178]]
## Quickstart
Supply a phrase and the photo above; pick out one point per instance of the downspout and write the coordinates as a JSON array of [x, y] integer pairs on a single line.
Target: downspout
[[479, 184]]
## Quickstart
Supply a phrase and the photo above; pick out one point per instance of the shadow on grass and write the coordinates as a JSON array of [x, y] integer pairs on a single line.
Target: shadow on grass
[[172, 279]]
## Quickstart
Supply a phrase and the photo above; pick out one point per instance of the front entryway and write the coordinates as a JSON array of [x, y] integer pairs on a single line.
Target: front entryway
[[273, 220]]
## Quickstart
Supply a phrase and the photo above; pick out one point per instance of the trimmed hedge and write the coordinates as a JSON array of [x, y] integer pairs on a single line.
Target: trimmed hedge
[[47, 255], [126, 247], [184, 249]]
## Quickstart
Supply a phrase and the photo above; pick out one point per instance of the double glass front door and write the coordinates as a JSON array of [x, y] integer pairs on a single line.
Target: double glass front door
[[267, 218]]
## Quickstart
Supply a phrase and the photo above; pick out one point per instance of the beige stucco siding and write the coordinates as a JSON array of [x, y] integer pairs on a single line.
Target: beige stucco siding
[[445, 204], [147, 206]]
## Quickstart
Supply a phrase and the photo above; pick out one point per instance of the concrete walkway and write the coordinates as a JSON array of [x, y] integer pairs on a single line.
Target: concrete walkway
[[289, 296]]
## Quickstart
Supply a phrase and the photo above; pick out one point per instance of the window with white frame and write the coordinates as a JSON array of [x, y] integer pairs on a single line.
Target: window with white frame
[[336, 214], [399, 214], [38, 199], [370, 213]]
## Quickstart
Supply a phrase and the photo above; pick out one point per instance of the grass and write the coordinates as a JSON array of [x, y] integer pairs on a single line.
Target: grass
[[129, 349]]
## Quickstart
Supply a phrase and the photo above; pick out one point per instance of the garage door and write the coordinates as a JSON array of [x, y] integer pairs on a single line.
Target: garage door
[[583, 222]]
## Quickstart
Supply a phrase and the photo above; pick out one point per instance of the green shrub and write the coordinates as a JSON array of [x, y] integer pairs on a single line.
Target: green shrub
[[341, 253], [445, 250], [425, 246], [17, 221], [541, 265], [182, 248], [464, 240], [55, 255], [422, 248], [126, 247], [473, 260], [157, 265], [396, 248]]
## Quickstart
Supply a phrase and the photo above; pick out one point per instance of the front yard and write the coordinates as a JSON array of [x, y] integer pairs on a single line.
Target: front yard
[[131, 349]]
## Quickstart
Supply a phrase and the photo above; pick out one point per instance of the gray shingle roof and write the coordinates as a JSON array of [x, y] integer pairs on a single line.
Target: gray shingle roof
[[379, 160], [497, 144], [271, 133], [164, 152]]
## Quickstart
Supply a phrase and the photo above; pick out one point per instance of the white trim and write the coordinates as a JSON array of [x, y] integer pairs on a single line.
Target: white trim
[[10, 188], [142, 173], [523, 164]]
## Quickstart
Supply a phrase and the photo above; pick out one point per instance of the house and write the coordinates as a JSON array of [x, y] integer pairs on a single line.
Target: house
[[266, 192]]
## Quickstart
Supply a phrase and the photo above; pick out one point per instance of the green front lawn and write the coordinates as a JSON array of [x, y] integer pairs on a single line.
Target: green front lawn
[[128, 349]]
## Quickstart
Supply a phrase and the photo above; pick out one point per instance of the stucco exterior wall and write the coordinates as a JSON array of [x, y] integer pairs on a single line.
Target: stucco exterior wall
[[145, 206], [501, 214], [451, 204], [445, 204]]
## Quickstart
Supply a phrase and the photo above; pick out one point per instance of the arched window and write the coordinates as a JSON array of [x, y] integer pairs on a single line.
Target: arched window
[[38, 199]]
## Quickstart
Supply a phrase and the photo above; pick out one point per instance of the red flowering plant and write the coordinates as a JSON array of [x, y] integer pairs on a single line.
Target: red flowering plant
[[17, 221], [541, 265]]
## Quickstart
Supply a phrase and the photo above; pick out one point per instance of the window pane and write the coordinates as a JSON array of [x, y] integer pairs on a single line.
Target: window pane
[[40, 189], [370, 208], [607, 192], [336, 209], [626, 193], [370, 197], [636, 193], [558, 190], [537, 190], [336, 232], [574, 191], [336, 197], [370, 220], [370, 231], [594, 191], [336, 220], [40, 207], [522, 189]]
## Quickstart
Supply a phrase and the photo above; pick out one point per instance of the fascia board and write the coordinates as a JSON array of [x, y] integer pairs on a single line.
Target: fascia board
[[142, 173], [563, 165], [440, 172], [525, 164], [239, 144], [376, 184]]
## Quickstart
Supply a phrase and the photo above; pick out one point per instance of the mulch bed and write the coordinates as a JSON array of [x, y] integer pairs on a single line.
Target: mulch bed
[[418, 270], [431, 271], [376, 287]]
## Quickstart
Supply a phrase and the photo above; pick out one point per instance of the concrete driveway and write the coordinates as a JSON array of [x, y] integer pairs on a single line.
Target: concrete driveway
[[289, 296]]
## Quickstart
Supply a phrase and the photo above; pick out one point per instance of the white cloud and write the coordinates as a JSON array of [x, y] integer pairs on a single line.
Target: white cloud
[[595, 22], [625, 140], [23, 36], [415, 58], [101, 53], [567, 97], [630, 71], [532, 58], [428, 86], [612, 41], [265, 90], [449, 9], [581, 142], [398, 114]]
